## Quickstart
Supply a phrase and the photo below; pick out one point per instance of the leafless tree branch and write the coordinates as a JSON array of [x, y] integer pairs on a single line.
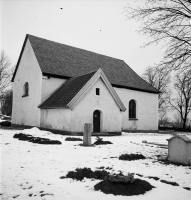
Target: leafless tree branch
[[160, 79], [5, 74], [167, 21], [182, 103]]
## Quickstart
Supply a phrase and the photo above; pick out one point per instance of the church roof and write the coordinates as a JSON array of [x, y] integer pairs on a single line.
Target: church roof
[[59, 60], [71, 92]]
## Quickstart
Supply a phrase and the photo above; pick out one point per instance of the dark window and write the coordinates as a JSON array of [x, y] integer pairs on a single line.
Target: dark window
[[132, 109], [97, 91], [26, 89]]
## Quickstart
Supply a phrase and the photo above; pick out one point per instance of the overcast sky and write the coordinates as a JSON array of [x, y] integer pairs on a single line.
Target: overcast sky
[[95, 25]]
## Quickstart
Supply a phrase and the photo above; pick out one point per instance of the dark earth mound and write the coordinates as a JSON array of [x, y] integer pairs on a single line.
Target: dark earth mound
[[102, 142], [130, 157], [73, 139], [99, 141], [170, 183], [112, 184], [24, 137], [80, 174], [5, 123], [126, 189], [154, 177], [187, 188], [37, 140]]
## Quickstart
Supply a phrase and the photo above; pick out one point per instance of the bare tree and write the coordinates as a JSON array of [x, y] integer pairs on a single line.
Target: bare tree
[[5, 74], [182, 103], [167, 21], [7, 103], [160, 79]]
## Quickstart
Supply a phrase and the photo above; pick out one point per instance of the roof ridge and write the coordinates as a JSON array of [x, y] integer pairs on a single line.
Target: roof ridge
[[75, 47]]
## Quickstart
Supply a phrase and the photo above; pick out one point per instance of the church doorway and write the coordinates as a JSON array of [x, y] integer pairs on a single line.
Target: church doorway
[[96, 121]]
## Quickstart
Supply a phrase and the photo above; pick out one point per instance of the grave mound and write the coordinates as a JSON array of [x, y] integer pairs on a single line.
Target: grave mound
[[99, 141], [73, 139], [80, 174], [5, 123], [121, 188], [37, 140], [170, 183], [112, 184], [130, 157]]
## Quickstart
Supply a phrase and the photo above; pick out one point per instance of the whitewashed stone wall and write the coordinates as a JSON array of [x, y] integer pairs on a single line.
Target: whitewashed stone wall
[[147, 109], [25, 110], [49, 85], [74, 120]]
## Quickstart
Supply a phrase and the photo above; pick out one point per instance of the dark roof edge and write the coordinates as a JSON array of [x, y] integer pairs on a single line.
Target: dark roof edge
[[56, 75], [114, 85], [63, 107], [137, 89], [18, 62]]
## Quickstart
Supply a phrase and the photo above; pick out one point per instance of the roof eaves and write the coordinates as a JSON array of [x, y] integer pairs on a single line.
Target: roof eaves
[[137, 89], [56, 75], [53, 107]]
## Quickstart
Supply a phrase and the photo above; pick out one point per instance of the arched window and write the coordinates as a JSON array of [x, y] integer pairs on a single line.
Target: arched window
[[132, 109], [26, 89]]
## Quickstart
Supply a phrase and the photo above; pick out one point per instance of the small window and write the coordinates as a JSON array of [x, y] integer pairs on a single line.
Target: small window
[[26, 89], [132, 109], [97, 91]]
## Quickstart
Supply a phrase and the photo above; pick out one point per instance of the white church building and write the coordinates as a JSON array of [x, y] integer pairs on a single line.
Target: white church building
[[59, 87]]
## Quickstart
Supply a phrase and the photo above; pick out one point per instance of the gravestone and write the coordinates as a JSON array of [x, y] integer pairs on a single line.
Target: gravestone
[[87, 135], [179, 149]]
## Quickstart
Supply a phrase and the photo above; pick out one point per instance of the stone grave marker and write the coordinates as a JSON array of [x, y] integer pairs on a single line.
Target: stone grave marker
[[87, 135]]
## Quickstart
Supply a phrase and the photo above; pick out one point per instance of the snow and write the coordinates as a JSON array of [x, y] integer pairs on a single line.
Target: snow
[[33, 171]]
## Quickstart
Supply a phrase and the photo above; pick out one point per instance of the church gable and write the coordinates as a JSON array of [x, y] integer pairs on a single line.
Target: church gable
[[71, 92], [27, 89]]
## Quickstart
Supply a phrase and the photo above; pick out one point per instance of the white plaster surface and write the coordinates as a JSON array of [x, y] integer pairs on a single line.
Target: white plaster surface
[[49, 85], [59, 119], [147, 109], [25, 110], [110, 112], [74, 120]]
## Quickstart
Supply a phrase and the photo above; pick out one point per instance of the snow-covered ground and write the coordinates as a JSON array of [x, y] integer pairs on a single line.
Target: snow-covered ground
[[33, 171]]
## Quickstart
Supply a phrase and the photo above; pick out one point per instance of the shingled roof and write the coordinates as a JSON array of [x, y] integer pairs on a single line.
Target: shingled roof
[[61, 60]]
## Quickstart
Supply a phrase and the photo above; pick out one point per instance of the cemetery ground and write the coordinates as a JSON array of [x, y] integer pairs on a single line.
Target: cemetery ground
[[33, 171]]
